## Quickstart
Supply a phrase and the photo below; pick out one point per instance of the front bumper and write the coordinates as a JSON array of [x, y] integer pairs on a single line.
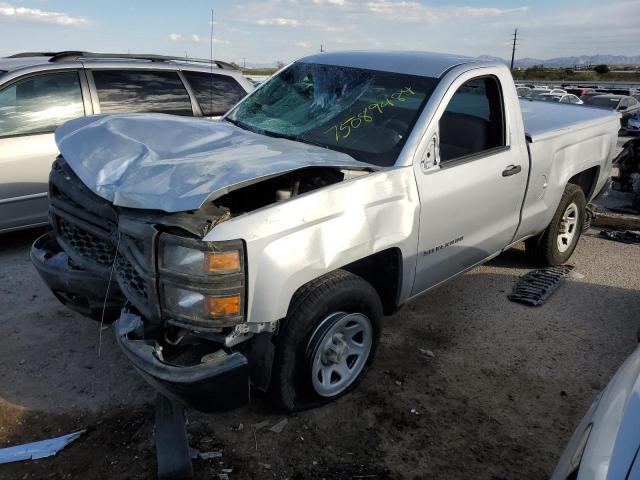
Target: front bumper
[[212, 386], [81, 290]]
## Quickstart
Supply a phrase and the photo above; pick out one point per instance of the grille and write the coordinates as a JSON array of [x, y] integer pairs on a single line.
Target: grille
[[87, 227], [128, 275], [86, 244]]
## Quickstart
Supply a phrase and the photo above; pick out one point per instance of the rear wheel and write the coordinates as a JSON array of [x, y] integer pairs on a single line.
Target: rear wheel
[[556, 244], [327, 340]]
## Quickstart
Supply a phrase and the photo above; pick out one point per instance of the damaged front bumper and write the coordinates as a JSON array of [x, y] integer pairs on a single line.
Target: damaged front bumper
[[81, 290], [215, 382]]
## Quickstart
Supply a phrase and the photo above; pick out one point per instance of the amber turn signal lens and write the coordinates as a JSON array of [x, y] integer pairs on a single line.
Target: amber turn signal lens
[[221, 262], [223, 306]]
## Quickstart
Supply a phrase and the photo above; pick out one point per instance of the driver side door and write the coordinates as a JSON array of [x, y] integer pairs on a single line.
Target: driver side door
[[471, 180]]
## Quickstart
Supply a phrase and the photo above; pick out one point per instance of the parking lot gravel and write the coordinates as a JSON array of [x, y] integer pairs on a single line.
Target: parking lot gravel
[[466, 384]]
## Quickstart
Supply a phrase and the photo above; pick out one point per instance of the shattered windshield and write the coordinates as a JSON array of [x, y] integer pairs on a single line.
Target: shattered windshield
[[365, 113]]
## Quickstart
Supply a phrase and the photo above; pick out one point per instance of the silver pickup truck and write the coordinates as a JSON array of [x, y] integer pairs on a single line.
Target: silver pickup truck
[[264, 249]]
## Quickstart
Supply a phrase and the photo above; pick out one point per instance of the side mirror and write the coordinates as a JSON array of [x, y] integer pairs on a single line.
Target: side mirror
[[431, 156]]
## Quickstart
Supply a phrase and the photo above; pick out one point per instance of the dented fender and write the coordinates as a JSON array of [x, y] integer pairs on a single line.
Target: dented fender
[[293, 242]]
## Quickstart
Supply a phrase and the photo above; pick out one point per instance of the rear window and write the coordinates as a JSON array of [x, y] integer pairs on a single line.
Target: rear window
[[215, 93], [141, 91]]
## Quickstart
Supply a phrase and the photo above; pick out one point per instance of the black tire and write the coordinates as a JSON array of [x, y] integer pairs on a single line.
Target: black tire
[[311, 310], [543, 248]]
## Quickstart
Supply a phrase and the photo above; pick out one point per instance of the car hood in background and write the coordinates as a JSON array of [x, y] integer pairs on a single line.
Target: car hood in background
[[170, 163]]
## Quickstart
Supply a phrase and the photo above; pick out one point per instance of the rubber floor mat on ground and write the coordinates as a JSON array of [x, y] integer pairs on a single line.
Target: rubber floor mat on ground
[[626, 236], [535, 287]]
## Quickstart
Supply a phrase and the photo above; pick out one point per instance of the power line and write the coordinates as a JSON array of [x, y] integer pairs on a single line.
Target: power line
[[513, 50]]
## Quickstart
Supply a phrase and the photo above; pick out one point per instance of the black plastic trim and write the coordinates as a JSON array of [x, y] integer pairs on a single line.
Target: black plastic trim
[[214, 387], [76, 288]]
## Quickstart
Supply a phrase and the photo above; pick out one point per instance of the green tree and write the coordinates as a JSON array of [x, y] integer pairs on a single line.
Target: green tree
[[602, 69]]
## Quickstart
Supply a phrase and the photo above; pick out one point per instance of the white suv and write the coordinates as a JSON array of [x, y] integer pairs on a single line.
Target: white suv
[[40, 91]]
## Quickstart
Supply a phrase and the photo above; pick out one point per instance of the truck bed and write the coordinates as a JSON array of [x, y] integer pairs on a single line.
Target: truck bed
[[543, 120]]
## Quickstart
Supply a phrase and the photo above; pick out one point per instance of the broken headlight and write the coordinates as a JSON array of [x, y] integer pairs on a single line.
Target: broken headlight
[[202, 284]]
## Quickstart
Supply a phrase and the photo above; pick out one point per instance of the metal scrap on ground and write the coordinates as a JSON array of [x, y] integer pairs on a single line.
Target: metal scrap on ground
[[278, 427], [536, 286], [39, 449]]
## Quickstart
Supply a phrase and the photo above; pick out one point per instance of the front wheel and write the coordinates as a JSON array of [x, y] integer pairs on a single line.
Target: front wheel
[[327, 340], [556, 244]]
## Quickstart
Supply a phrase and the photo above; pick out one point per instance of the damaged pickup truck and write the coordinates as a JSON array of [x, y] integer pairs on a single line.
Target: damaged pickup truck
[[264, 249]]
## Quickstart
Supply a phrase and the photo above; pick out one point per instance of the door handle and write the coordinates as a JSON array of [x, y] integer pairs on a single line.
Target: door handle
[[511, 170]]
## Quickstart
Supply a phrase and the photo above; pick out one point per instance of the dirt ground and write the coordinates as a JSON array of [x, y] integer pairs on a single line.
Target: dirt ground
[[498, 400]]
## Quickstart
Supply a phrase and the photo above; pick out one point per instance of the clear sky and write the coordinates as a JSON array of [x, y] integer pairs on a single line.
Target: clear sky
[[271, 30]]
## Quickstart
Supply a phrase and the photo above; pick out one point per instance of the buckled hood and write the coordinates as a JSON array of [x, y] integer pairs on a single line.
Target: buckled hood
[[170, 163]]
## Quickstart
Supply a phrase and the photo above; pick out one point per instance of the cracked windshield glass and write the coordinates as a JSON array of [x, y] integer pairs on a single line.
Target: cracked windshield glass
[[367, 114]]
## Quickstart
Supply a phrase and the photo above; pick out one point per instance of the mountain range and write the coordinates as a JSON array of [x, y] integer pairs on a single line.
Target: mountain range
[[582, 60]]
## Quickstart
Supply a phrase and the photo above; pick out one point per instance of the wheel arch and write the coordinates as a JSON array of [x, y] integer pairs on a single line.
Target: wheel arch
[[383, 270], [586, 180]]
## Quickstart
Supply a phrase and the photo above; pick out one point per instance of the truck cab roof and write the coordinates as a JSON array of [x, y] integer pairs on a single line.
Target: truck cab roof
[[426, 64]]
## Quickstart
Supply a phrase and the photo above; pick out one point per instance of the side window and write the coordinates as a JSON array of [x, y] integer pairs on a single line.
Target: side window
[[141, 91], [40, 103], [473, 121], [215, 93]]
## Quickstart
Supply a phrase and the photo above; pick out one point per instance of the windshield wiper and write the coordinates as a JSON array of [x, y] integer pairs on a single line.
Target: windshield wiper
[[241, 125], [300, 138], [268, 133], [295, 138]]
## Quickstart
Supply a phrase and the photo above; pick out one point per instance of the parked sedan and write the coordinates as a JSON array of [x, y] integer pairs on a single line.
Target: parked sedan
[[606, 444], [522, 91], [560, 98], [535, 93], [39, 92], [626, 105], [579, 91]]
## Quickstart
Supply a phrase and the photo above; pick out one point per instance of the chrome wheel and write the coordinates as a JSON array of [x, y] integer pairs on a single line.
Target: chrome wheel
[[568, 227], [339, 353]]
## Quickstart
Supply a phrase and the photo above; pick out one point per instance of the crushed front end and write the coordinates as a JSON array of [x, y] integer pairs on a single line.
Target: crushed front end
[[179, 303]]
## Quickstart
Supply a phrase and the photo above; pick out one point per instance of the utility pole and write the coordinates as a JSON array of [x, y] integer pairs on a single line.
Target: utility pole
[[513, 51], [321, 48], [244, 64]]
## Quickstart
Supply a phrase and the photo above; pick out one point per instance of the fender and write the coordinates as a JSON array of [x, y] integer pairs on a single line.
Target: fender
[[294, 241]]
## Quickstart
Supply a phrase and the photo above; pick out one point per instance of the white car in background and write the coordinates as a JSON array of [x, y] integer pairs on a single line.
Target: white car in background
[[606, 444], [560, 98], [41, 91], [535, 93]]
